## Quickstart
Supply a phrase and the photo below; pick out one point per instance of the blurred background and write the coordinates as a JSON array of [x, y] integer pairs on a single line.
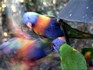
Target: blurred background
[[46, 7]]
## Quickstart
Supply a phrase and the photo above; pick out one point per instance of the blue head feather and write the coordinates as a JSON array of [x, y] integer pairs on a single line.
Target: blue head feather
[[57, 43], [30, 17]]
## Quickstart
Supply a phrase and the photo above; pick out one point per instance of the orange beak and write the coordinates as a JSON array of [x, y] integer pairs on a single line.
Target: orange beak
[[29, 25]]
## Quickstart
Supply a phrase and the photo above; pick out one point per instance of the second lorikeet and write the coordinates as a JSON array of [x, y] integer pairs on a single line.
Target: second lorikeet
[[71, 59], [29, 49]]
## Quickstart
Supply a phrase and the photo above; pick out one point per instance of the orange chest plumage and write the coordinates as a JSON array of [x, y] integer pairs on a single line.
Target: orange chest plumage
[[42, 23]]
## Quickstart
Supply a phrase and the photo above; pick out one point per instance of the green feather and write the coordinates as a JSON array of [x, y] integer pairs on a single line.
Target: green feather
[[74, 33], [71, 59]]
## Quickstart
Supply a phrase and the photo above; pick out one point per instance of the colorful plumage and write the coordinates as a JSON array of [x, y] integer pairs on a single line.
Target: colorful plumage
[[49, 27], [88, 54], [23, 47], [43, 25], [23, 44], [29, 49], [71, 59]]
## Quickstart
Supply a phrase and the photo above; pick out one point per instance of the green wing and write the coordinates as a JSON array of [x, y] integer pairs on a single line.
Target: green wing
[[74, 33], [71, 59]]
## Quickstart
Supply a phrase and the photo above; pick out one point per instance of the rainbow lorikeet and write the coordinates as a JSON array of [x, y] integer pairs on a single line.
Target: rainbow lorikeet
[[25, 48], [42, 25], [48, 27], [71, 59], [88, 54]]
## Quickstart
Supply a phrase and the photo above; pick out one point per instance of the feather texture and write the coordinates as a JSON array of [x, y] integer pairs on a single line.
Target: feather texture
[[71, 59]]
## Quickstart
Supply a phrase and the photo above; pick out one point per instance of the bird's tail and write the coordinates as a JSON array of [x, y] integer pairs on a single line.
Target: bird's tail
[[74, 33]]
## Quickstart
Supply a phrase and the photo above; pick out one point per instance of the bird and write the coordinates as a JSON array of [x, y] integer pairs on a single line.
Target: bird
[[23, 51], [70, 58], [47, 26], [88, 54], [29, 49], [42, 25]]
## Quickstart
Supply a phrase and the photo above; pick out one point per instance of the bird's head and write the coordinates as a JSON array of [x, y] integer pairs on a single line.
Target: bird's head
[[30, 19], [56, 43]]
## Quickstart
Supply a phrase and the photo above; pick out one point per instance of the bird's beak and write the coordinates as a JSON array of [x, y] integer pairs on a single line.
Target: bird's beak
[[62, 38], [29, 25]]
